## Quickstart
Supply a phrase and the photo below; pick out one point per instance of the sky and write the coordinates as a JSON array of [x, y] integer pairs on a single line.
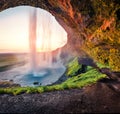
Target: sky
[[14, 30]]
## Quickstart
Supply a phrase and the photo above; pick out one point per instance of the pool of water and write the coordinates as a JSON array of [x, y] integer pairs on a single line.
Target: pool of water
[[21, 73]]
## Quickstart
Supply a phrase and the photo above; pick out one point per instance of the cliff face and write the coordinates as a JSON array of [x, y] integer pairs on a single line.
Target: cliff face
[[92, 25]]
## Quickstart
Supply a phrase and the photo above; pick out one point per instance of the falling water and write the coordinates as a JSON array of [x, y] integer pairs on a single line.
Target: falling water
[[46, 56], [32, 39], [40, 60]]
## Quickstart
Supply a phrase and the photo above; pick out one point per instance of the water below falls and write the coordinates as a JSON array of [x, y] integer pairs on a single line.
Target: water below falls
[[21, 73]]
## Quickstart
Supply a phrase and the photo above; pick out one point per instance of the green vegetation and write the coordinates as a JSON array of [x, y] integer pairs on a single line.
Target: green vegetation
[[103, 39], [81, 80], [114, 59], [102, 65], [73, 67], [106, 55], [76, 81]]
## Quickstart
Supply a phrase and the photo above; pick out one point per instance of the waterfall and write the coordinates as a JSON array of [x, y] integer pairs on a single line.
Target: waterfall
[[32, 40], [39, 59], [42, 37], [46, 55]]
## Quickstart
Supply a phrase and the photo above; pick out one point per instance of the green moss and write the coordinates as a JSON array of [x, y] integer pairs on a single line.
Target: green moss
[[40, 89], [73, 67], [91, 76], [104, 34], [106, 56], [103, 65], [104, 47], [114, 59]]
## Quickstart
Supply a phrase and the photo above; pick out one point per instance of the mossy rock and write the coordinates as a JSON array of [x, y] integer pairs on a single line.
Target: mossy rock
[[73, 67]]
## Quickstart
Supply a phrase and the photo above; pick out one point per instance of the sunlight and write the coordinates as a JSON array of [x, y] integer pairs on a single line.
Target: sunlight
[[14, 30]]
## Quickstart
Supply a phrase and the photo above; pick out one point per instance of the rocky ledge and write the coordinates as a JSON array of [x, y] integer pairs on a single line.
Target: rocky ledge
[[98, 98]]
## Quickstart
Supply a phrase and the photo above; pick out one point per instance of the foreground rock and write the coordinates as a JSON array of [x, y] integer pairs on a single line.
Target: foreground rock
[[96, 98]]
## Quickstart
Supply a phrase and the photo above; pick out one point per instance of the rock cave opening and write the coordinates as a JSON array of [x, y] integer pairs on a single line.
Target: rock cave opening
[[35, 38]]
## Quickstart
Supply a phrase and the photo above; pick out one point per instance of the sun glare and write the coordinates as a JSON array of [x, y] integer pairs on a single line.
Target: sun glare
[[14, 30]]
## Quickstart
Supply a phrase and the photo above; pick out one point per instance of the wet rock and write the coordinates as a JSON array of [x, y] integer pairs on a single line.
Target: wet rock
[[36, 83]]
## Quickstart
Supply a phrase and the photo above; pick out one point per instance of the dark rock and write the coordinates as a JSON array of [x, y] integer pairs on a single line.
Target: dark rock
[[98, 98], [36, 83], [109, 73]]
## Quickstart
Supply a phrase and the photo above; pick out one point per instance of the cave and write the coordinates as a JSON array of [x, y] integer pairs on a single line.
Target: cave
[[89, 24]]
